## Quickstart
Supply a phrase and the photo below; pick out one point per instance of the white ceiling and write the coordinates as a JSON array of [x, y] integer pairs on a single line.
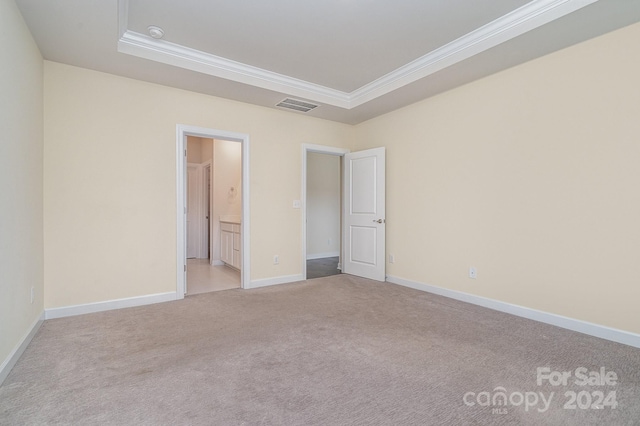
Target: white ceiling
[[355, 58]]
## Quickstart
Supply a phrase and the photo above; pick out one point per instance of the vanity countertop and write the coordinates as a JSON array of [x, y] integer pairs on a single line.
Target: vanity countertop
[[231, 219]]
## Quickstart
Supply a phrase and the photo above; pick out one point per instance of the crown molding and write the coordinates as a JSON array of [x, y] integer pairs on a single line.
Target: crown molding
[[524, 19], [143, 46], [123, 17]]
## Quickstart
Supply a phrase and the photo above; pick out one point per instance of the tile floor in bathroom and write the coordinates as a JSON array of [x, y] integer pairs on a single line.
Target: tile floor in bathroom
[[203, 277]]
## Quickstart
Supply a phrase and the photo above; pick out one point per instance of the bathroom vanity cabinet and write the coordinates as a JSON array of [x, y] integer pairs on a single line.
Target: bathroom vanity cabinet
[[230, 244]]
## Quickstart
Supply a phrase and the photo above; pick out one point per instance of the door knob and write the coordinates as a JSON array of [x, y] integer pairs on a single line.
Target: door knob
[[379, 221]]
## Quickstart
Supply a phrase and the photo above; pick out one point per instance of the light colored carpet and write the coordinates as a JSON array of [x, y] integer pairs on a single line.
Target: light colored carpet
[[332, 351]]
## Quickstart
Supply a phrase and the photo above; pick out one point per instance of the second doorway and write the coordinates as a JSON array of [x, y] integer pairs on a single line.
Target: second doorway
[[323, 214]]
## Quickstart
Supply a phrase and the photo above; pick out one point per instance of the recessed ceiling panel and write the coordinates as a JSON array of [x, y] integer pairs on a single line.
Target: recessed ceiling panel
[[341, 44]]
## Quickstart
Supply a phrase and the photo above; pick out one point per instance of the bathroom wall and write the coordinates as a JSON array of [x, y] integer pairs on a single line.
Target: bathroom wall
[[194, 150], [227, 187]]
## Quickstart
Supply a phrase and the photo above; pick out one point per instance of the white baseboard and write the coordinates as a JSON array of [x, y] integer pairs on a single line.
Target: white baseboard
[[601, 331], [276, 280], [323, 255], [17, 352], [89, 308], [217, 263]]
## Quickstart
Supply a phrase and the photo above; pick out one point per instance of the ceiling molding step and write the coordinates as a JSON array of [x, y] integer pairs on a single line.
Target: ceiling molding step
[[524, 19], [123, 17], [143, 46]]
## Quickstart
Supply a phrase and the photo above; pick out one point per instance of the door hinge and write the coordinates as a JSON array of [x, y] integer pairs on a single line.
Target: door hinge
[[185, 268], [185, 152]]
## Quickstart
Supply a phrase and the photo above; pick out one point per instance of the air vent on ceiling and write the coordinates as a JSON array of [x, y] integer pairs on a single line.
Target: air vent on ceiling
[[296, 105]]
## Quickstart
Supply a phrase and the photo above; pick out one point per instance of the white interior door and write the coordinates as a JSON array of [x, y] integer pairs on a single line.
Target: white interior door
[[364, 222], [193, 213]]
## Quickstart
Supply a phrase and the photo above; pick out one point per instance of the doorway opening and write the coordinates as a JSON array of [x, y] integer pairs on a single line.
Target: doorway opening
[[214, 186], [322, 215], [212, 183]]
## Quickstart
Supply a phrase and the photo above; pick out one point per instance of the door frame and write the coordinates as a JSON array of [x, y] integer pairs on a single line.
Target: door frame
[[319, 149], [182, 131], [207, 188]]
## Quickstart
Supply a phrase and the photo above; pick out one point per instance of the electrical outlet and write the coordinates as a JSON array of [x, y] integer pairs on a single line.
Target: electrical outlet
[[297, 204], [472, 272], [276, 259], [32, 295], [392, 258]]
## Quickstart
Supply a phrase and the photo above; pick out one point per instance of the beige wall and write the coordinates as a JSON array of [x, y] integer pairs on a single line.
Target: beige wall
[[21, 152], [110, 208], [323, 204], [530, 175]]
